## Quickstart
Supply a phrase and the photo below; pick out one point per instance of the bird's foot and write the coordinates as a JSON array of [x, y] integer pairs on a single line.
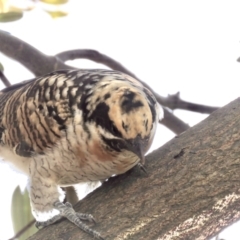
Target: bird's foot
[[67, 211]]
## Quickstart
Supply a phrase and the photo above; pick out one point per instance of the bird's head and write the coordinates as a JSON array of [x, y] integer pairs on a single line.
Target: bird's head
[[125, 113]]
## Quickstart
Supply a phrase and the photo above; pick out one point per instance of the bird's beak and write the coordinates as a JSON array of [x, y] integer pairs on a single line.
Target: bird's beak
[[137, 146]]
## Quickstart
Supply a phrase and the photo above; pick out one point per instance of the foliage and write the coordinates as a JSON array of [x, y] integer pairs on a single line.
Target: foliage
[[21, 213], [14, 10]]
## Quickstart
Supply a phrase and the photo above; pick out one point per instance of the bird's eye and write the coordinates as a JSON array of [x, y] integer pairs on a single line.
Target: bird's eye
[[113, 129]]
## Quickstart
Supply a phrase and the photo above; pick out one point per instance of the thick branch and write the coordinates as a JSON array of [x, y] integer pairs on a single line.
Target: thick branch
[[191, 191], [174, 123], [34, 60]]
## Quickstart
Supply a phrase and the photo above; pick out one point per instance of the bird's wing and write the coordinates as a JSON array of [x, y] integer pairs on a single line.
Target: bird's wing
[[34, 113]]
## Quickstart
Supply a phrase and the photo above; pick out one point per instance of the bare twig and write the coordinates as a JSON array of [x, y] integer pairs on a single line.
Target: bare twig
[[4, 79], [172, 102], [34, 60], [170, 121], [94, 56], [40, 64], [175, 102], [23, 230]]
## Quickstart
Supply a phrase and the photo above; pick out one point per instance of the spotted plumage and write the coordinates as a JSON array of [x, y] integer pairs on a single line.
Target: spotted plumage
[[74, 126]]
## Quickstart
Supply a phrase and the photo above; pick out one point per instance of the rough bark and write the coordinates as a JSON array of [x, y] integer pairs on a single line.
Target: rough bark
[[191, 191]]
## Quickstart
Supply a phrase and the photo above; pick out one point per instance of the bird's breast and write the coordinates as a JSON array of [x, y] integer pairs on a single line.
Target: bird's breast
[[74, 161]]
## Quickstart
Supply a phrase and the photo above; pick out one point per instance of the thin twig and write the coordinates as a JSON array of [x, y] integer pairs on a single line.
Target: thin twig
[[4, 79], [34, 60], [175, 102], [23, 230], [172, 102], [40, 64], [170, 121], [94, 56]]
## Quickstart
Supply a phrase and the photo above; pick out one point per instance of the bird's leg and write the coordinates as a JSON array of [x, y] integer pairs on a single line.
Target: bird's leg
[[48, 222], [67, 211], [46, 197]]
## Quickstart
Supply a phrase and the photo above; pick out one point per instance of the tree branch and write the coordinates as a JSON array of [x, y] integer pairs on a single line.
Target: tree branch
[[4, 79], [40, 64], [172, 102], [34, 60], [175, 102], [94, 56], [23, 230], [192, 190], [170, 121], [174, 123]]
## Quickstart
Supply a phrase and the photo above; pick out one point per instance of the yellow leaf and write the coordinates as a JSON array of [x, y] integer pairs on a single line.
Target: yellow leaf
[[14, 8], [10, 16], [57, 14], [4, 5], [55, 1]]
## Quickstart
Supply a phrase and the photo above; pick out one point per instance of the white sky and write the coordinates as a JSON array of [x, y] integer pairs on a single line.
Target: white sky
[[186, 46]]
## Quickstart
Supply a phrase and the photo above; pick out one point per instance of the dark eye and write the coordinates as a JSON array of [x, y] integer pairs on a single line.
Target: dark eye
[[114, 130]]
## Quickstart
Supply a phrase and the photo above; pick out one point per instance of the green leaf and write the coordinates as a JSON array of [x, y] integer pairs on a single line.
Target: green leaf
[[55, 1], [10, 16], [21, 213]]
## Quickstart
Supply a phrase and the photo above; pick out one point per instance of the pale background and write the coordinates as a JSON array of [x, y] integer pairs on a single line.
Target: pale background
[[186, 46]]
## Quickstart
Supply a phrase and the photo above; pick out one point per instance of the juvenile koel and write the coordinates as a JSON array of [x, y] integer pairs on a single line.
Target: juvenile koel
[[74, 126]]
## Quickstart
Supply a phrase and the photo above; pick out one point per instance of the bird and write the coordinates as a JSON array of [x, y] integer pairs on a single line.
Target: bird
[[74, 126]]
